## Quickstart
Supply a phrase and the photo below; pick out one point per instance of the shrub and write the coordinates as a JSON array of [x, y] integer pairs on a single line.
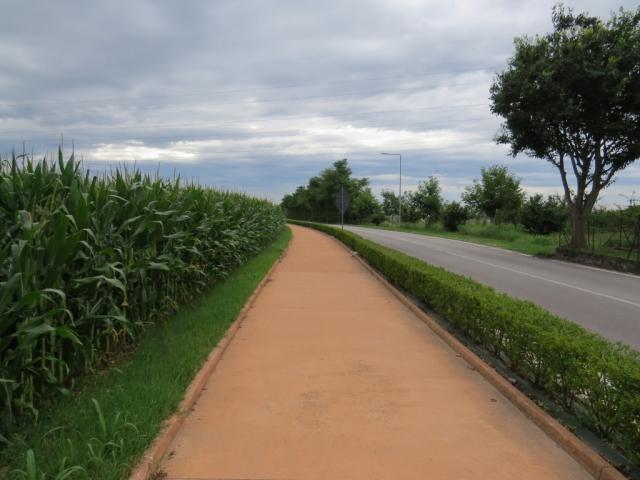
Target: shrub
[[453, 216], [87, 262], [543, 217], [597, 380], [377, 218]]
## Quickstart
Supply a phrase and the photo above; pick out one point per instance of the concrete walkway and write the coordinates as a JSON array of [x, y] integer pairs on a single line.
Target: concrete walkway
[[331, 377]]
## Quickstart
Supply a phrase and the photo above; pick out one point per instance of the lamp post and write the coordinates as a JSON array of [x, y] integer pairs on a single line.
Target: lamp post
[[400, 186]]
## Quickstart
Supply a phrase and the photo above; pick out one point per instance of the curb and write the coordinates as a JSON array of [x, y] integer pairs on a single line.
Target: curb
[[155, 453], [595, 465]]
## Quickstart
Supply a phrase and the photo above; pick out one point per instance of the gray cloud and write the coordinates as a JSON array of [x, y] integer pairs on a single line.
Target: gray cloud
[[259, 95]]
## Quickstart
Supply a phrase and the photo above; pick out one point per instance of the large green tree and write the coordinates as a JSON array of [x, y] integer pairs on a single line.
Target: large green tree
[[389, 203], [427, 199], [497, 194], [316, 201], [410, 211], [572, 97]]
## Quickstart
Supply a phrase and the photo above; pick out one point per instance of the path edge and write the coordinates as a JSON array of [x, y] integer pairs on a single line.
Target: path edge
[[153, 456], [595, 465]]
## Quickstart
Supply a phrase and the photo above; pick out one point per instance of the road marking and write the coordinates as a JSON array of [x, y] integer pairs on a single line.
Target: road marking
[[514, 270], [597, 269], [557, 282], [468, 243]]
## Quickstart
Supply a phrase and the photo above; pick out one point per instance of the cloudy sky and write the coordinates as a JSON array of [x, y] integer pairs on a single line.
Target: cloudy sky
[[260, 95]]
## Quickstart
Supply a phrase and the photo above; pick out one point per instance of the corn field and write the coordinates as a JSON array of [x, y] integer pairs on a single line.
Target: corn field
[[86, 263]]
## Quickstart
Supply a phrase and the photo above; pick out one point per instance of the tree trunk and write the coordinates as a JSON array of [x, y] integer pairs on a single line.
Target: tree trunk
[[579, 229]]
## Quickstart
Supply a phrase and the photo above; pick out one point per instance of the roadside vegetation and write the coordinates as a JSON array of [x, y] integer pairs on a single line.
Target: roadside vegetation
[[101, 431], [494, 211], [509, 237], [89, 264], [596, 380], [317, 200]]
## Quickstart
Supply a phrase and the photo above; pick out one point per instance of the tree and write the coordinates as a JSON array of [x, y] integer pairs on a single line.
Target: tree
[[410, 211], [297, 205], [316, 201], [427, 200], [389, 203], [453, 216], [572, 98], [497, 194], [543, 217], [364, 205]]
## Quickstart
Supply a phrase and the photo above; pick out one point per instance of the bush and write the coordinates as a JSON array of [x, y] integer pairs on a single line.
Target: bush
[[377, 218], [543, 217], [597, 380], [87, 262], [453, 216]]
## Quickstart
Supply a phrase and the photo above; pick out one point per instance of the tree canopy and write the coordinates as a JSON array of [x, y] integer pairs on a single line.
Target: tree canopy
[[572, 97], [389, 203], [316, 201], [427, 199], [497, 194]]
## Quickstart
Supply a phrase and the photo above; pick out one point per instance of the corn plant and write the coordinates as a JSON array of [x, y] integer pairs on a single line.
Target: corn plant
[[87, 262], [32, 472]]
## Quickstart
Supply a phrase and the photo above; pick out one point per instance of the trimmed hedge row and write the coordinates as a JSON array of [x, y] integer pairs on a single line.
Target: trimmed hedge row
[[595, 379]]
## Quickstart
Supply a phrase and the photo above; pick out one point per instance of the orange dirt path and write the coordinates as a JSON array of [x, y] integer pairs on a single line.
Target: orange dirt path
[[332, 377]]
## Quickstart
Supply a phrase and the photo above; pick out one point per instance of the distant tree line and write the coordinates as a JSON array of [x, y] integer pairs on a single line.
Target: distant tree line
[[496, 197], [317, 200]]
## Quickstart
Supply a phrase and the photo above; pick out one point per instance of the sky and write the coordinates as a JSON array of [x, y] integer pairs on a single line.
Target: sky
[[258, 96]]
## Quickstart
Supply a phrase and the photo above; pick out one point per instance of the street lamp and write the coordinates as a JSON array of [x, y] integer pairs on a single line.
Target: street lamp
[[400, 186]]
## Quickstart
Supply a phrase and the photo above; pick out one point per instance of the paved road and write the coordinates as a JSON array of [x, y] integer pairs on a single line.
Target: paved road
[[605, 302], [332, 377]]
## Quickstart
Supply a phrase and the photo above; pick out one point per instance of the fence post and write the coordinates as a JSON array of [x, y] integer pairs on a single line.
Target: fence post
[[620, 232], [636, 240]]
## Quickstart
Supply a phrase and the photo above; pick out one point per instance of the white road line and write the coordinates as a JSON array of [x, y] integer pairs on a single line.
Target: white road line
[[597, 269], [531, 275], [538, 277], [467, 243]]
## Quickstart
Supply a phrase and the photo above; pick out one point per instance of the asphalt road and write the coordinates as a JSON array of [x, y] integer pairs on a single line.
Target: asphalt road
[[602, 301]]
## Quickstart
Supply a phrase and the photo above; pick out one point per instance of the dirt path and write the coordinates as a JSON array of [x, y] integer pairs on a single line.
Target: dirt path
[[331, 377]]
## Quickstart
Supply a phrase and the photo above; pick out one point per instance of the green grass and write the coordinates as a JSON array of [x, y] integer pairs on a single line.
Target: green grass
[[107, 425], [502, 236], [617, 253]]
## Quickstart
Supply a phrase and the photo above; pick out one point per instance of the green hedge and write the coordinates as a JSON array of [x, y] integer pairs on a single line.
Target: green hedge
[[595, 379], [86, 262]]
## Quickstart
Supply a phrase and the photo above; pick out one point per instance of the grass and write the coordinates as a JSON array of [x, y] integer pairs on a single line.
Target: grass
[[604, 243], [503, 236], [102, 430], [617, 253]]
